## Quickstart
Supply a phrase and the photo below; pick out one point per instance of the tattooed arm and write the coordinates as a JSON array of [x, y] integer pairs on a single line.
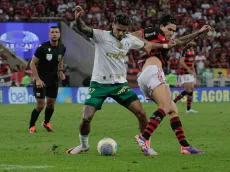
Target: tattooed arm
[[82, 27], [185, 39]]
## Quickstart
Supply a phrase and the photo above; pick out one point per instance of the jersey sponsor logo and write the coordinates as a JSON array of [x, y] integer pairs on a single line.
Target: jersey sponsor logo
[[150, 34], [49, 57], [120, 55]]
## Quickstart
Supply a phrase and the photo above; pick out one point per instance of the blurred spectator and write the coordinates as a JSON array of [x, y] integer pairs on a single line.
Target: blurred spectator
[[86, 81], [223, 63], [213, 61], [14, 84], [26, 80], [173, 65], [200, 61], [4, 67]]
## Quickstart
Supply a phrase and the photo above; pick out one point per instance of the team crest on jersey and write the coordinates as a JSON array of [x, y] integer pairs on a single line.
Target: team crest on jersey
[[120, 45], [49, 57]]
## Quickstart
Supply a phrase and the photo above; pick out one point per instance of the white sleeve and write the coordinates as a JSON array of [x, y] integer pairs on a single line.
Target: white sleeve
[[137, 44], [98, 35]]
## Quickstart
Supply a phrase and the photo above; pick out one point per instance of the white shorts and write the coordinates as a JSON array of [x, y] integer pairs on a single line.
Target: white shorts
[[187, 78], [150, 78]]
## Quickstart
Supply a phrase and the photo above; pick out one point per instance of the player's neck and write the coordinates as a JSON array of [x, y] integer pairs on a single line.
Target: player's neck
[[54, 43]]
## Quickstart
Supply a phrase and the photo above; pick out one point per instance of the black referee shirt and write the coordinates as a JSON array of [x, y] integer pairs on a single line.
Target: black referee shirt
[[49, 57]]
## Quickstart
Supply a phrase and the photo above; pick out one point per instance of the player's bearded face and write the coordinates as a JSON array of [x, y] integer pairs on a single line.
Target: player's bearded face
[[54, 34], [168, 30], [119, 31]]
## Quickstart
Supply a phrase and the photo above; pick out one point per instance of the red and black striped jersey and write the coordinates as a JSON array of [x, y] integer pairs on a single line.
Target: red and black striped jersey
[[213, 63], [223, 63], [174, 64], [156, 35], [189, 55]]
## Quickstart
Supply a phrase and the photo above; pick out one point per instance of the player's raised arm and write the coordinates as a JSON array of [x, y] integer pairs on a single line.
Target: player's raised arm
[[185, 39], [82, 27]]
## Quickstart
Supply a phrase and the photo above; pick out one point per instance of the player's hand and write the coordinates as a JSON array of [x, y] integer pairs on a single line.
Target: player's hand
[[172, 43], [147, 48], [205, 29], [39, 83], [78, 12], [62, 75]]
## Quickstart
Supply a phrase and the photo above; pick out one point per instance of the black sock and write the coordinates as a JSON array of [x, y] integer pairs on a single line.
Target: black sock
[[34, 117], [48, 114], [189, 100]]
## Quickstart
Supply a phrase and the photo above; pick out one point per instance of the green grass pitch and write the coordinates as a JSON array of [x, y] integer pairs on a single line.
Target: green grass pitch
[[45, 152]]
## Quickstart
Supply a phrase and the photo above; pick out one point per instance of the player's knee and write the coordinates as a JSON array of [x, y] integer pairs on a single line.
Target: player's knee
[[50, 105], [40, 106], [141, 114], [166, 107]]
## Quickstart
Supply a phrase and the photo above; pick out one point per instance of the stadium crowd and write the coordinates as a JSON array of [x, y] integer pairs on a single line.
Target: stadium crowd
[[213, 50]]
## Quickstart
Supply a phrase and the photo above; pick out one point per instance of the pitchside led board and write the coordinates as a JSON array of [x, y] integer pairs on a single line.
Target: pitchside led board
[[24, 38]]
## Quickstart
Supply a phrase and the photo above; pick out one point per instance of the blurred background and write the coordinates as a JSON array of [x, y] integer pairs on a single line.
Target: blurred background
[[25, 24]]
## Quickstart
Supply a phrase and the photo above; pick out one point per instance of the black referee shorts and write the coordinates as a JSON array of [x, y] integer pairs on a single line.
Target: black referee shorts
[[47, 91]]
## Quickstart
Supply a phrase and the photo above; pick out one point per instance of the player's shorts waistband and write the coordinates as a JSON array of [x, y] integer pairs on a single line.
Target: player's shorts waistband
[[95, 83], [152, 67]]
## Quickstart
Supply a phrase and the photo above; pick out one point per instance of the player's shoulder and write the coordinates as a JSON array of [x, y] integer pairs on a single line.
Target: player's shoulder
[[101, 31], [61, 45], [43, 45], [154, 29]]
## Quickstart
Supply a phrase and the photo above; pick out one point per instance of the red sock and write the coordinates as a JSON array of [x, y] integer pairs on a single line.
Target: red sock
[[153, 123], [178, 130]]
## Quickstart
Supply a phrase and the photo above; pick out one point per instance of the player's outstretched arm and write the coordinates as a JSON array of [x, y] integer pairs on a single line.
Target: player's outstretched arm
[[152, 45], [185, 39], [82, 27]]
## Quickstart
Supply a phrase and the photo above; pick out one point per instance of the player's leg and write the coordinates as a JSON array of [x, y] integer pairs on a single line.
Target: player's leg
[[190, 88], [153, 85], [127, 98], [179, 132], [136, 108], [94, 100], [184, 92], [39, 94], [51, 94]]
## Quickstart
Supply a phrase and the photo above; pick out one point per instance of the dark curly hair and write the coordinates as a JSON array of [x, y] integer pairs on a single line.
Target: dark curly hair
[[168, 19], [122, 19]]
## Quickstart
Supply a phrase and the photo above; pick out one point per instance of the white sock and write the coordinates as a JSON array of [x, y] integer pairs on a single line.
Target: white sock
[[84, 140]]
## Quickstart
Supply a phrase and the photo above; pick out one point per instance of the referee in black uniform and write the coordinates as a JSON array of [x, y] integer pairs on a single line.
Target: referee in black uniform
[[46, 66]]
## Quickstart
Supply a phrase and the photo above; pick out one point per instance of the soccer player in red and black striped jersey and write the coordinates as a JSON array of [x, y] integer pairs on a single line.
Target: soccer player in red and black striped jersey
[[173, 65], [188, 75], [153, 84]]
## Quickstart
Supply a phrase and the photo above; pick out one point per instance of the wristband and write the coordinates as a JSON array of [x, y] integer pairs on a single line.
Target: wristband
[[166, 46]]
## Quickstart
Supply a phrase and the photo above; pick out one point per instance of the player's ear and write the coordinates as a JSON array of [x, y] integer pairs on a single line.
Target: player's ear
[[161, 26]]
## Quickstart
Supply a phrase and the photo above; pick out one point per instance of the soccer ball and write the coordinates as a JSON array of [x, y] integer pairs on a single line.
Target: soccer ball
[[107, 147]]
